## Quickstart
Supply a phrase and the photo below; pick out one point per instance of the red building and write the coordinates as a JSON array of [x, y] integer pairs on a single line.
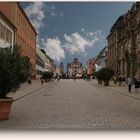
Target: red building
[[90, 66]]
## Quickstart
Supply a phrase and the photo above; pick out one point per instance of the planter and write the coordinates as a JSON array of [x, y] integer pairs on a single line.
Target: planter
[[106, 83], [5, 107], [99, 81]]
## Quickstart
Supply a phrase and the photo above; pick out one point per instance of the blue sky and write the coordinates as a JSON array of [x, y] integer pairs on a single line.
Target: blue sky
[[73, 29]]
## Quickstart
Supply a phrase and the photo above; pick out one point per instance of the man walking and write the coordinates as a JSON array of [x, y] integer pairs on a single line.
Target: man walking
[[120, 80], [129, 83]]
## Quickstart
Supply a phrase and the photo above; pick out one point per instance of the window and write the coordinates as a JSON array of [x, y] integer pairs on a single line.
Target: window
[[0, 29], [7, 35], [2, 32], [10, 36], [19, 19]]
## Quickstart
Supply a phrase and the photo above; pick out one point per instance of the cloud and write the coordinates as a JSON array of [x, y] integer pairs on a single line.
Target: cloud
[[82, 29], [36, 14], [75, 43], [61, 14], [54, 12], [91, 33], [54, 48]]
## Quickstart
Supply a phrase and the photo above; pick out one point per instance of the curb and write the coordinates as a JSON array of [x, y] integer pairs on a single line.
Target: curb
[[129, 95], [15, 99], [28, 93]]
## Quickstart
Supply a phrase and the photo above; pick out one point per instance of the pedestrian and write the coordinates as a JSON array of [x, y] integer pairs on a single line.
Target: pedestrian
[[120, 80], [42, 81], [123, 81], [129, 83], [58, 77], [29, 80], [75, 78], [115, 79], [136, 85]]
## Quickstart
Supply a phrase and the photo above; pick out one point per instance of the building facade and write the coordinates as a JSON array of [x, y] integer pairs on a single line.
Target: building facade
[[40, 63], [101, 59], [25, 35], [43, 63], [61, 68], [90, 66], [7, 32], [124, 44], [74, 68]]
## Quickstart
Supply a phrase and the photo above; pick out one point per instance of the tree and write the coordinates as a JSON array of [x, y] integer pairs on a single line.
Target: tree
[[47, 75], [14, 69], [98, 75], [106, 73]]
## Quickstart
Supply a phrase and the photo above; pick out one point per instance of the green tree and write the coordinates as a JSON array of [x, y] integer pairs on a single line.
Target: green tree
[[47, 75], [106, 73], [14, 69]]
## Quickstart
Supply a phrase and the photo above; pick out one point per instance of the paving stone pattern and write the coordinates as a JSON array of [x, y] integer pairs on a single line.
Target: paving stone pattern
[[70, 105]]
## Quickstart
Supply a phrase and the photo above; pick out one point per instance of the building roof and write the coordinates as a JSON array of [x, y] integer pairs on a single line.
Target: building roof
[[100, 55]]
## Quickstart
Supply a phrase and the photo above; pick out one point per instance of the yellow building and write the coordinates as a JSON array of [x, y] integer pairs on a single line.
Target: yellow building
[[124, 44]]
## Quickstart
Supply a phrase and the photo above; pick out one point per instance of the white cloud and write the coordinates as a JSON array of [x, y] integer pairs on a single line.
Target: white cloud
[[91, 33], [36, 14], [75, 43], [82, 29], [54, 12], [61, 14], [54, 48]]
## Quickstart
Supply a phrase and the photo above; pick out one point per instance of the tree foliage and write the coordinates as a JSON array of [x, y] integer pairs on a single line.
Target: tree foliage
[[104, 74], [47, 74], [14, 69]]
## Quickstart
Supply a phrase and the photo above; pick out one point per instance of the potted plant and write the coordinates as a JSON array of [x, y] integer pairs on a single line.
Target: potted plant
[[98, 76], [14, 69], [106, 74], [47, 76]]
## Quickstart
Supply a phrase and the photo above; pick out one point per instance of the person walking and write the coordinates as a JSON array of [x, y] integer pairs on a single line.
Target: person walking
[[129, 83], [58, 77], [120, 80], [42, 81], [136, 85], [75, 77], [29, 80], [123, 81]]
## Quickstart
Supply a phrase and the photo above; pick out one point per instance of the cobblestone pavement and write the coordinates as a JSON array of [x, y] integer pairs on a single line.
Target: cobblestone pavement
[[26, 89], [67, 105]]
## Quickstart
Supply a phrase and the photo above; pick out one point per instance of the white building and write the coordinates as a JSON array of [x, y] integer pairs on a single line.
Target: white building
[[43, 62], [101, 59], [7, 32], [75, 68]]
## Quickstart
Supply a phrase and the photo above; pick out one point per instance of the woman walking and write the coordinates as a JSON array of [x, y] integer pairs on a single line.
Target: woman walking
[[129, 83]]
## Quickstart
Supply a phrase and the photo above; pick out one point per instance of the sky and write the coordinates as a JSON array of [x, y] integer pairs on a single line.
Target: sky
[[73, 29]]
